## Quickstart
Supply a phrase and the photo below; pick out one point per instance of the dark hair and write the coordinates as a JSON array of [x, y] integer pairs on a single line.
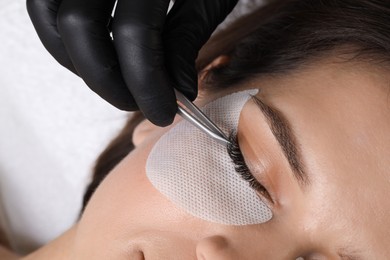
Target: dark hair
[[284, 35], [278, 38]]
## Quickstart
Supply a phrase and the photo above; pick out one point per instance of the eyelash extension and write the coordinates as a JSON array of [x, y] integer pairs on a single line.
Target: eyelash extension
[[242, 169]]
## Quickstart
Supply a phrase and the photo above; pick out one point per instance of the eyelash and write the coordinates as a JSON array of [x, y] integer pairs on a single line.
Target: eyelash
[[242, 169]]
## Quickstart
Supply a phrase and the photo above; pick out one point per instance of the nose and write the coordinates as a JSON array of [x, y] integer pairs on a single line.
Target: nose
[[215, 248]]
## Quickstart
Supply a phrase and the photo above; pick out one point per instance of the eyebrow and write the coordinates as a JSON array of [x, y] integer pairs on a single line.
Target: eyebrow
[[347, 254], [281, 129], [349, 257]]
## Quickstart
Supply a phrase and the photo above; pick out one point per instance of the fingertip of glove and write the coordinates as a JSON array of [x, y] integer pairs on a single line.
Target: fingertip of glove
[[162, 116], [187, 83], [190, 93], [128, 107]]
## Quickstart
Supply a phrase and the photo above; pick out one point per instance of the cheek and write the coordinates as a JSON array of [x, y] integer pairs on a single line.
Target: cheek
[[197, 175]]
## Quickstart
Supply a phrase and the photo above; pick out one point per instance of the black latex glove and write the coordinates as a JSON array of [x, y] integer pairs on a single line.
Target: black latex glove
[[150, 55]]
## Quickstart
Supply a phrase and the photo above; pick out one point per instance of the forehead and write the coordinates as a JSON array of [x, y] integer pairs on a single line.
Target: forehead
[[334, 105]]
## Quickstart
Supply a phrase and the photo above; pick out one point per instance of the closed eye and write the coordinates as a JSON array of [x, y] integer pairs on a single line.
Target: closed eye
[[241, 168]]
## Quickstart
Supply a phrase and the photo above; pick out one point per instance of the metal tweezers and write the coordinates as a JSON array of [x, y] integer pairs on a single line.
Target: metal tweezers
[[196, 117]]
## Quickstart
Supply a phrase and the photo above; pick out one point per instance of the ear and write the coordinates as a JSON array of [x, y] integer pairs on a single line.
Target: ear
[[217, 62]]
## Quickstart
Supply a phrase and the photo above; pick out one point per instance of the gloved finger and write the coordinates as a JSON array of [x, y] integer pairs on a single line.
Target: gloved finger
[[137, 31], [43, 14], [187, 28], [83, 28]]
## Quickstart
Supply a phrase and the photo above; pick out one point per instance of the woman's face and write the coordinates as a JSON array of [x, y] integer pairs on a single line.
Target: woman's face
[[318, 141]]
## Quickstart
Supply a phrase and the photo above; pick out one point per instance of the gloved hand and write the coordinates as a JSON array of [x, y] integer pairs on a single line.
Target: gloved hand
[[150, 53]]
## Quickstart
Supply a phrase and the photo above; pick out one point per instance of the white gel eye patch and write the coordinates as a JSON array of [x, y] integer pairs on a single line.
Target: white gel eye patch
[[197, 174]]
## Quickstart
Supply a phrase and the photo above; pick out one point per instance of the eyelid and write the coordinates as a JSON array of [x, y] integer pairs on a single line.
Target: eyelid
[[241, 168]]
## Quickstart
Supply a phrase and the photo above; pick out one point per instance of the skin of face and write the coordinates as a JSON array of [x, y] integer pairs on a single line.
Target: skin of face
[[339, 115]]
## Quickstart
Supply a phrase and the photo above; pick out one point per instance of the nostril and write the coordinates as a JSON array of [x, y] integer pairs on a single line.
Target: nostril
[[138, 255], [215, 248]]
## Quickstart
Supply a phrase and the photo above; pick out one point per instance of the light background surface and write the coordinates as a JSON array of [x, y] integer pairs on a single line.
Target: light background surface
[[52, 128]]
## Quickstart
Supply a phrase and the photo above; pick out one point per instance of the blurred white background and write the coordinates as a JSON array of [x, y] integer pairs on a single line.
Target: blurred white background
[[52, 128]]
